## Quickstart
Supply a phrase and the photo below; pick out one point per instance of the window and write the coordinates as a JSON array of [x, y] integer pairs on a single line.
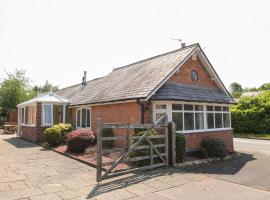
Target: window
[[47, 114], [161, 110], [194, 76], [28, 115], [218, 117], [83, 118]]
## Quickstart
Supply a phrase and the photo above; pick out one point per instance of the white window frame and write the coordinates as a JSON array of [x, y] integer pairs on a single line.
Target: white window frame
[[90, 113], [169, 111], [23, 120], [43, 114]]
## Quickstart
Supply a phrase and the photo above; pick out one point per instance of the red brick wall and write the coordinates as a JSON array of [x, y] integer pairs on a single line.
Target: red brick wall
[[193, 140], [184, 75]]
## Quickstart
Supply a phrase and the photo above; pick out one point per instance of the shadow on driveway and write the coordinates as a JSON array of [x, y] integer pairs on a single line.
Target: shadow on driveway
[[20, 143]]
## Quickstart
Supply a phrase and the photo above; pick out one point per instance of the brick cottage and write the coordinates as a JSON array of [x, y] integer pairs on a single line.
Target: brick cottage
[[181, 83]]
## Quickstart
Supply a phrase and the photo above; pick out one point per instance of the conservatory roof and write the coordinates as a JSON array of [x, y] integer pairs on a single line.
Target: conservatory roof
[[46, 98]]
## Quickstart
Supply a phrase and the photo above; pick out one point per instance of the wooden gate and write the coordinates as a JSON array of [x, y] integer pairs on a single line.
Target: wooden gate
[[147, 149]]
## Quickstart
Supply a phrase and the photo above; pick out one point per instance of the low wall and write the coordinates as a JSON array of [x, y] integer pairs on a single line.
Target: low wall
[[193, 140]]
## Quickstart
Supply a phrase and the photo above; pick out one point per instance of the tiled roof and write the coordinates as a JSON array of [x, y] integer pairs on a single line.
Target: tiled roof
[[187, 92], [133, 81]]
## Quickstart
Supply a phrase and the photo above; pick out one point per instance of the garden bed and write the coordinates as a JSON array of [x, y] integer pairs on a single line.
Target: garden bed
[[90, 156]]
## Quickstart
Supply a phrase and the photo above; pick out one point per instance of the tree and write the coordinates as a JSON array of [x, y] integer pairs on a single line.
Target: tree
[[265, 86], [45, 88], [236, 89], [14, 90]]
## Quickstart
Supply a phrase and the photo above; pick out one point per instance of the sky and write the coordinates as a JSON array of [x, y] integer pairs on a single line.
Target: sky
[[56, 40]]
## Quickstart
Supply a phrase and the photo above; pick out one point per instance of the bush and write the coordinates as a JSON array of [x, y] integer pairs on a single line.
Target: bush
[[65, 129], [202, 153], [145, 152], [107, 132], [52, 136], [215, 147], [180, 145], [252, 114], [79, 140]]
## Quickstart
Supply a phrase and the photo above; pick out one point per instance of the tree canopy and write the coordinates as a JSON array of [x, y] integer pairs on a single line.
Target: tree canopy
[[45, 88]]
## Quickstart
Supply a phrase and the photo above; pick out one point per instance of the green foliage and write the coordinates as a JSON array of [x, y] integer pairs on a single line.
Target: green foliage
[[45, 88], [144, 152], [252, 114], [14, 90], [180, 144], [107, 132], [236, 89], [202, 153], [52, 136], [215, 147], [57, 134], [265, 86]]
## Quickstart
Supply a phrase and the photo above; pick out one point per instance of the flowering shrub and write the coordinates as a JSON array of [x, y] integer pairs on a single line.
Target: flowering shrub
[[79, 140]]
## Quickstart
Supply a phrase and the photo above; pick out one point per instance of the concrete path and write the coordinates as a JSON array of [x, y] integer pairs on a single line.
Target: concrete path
[[28, 171]]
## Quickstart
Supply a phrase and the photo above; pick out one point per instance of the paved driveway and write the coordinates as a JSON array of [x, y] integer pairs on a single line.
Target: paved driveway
[[28, 171]]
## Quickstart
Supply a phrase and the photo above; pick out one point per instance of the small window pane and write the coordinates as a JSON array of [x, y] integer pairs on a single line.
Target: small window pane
[[226, 120], [88, 116], [209, 108], [188, 107], [225, 108], [199, 108], [189, 121], [78, 118], [57, 114], [218, 120], [161, 106], [199, 121], [22, 115], [177, 117], [83, 118], [210, 120], [47, 109], [217, 108], [177, 107], [159, 115]]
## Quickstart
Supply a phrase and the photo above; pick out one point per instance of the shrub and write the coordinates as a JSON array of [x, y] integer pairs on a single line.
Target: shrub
[[180, 145], [79, 140], [215, 147], [65, 129], [52, 136], [144, 152], [252, 114], [202, 153], [107, 132]]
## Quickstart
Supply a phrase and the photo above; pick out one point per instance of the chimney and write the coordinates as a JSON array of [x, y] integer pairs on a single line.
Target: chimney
[[84, 78], [183, 44]]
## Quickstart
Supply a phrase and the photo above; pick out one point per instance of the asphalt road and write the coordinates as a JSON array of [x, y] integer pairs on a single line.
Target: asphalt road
[[252, 169]]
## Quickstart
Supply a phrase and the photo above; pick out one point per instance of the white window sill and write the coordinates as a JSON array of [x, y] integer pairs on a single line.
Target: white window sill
[[203, 131], [27, 125]]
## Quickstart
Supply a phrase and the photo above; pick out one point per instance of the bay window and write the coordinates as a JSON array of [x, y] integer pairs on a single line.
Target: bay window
[[83, 118], [47, 114], [192, 117], [53, 114], [28, 115]]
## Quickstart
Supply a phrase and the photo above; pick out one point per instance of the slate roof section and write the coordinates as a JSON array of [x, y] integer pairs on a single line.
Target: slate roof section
[[186, 92], [133, 81]]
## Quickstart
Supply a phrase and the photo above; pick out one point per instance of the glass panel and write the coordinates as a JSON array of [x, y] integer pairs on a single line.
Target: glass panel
[[78, 118], [177, 106], [218, 120], [198, 107], [57, 114], [83, 118], [88, 116], [199, 121], [226, 120], [161, 106], [26, 115], [225, 108], [177, 117], [159, 115], [68, 115], [209, 108], [189, 121], [22, 115], [188, 107], [217, 108], [210, 120], [47, 109]]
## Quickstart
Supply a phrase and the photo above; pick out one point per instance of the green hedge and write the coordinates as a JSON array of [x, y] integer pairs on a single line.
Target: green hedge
[[180, 144], [252, 114], [214, 147]]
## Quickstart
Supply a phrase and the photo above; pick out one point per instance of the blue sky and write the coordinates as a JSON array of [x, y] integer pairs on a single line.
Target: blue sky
[[56, 40]]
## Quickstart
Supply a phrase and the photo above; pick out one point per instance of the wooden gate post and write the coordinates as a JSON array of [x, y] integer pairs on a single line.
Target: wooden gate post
[[99, 150], [172, 146]]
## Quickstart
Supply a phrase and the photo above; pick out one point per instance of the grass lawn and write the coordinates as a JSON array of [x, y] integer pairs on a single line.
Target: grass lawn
[[252, 135]]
